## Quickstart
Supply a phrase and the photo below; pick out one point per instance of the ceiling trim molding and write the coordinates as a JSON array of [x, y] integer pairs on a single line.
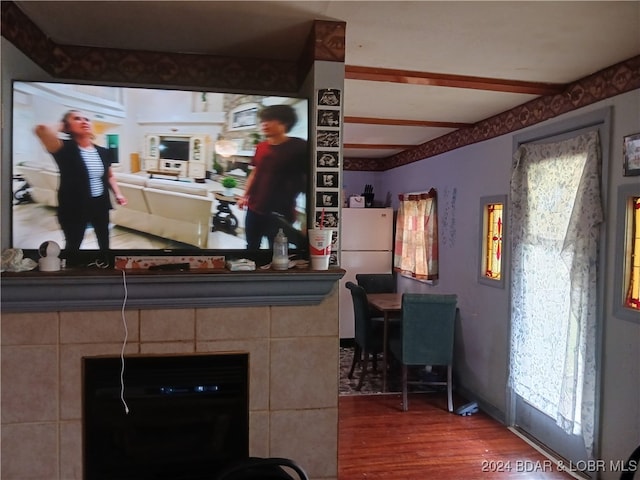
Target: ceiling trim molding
[[376, 146], [609, 82], [17, 28], [404, 123], [375, 74]]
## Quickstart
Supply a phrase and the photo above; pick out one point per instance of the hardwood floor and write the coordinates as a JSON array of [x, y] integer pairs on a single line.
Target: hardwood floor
[[377, 441]]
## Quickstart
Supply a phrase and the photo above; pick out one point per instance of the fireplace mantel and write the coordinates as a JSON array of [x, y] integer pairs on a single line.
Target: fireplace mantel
[[105, 289]]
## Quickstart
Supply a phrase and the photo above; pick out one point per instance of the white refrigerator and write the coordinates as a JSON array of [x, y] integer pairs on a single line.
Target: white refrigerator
[[366, 246]]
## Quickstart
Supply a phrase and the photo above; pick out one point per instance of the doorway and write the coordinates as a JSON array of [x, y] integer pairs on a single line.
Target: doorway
[[556, 292]]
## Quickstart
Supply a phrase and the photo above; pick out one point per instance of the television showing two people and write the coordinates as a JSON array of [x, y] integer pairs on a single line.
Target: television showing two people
[[95, 169]]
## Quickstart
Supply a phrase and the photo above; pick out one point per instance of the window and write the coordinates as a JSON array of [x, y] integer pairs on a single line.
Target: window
[[492, 219], [627, 293], [416, 243], [632, 299], [493, 241]]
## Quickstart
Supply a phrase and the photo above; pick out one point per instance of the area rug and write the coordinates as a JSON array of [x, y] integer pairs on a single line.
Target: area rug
[[372, 384]]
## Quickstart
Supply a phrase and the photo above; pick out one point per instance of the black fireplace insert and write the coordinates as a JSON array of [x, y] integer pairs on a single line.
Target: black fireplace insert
[[187, 419]]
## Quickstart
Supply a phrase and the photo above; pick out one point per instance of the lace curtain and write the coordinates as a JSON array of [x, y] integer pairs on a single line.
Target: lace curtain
[[555, 220], [416, 242]]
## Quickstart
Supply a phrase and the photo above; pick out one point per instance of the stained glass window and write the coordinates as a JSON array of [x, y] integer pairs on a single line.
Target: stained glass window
[[493, 241], [632, 297]]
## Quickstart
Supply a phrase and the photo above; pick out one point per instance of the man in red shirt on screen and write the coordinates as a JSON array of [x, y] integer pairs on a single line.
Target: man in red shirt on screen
[[278, 175]]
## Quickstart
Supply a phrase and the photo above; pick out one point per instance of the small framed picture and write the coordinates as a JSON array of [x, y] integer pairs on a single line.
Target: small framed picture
[[327, 159], [327, 199], [243, 117], [327, 180], [327, 138], [329, 97], [631, 150], [328, 118], [326, 219]]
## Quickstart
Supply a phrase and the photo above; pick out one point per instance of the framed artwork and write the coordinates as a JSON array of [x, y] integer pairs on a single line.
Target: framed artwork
[[328, 118], [631, 148], [243, 117], [327, 159], [328, 219], [327, 180], [329, 97], [327, 199], [327, 138]]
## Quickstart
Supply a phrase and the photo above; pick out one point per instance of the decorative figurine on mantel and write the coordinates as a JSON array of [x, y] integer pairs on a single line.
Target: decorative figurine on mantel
[[49, 256]]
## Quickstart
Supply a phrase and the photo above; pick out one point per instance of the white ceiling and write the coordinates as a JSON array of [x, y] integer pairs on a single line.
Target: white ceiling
[[549, 42]]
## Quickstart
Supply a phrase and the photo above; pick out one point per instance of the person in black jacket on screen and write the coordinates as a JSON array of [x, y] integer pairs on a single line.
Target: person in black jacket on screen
[[86, 178]]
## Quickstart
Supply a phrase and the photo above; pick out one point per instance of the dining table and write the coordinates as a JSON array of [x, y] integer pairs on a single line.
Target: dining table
[[390, 305]]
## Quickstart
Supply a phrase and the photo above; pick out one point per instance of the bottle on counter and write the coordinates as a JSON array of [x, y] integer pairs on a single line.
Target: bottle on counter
[[280, 260]]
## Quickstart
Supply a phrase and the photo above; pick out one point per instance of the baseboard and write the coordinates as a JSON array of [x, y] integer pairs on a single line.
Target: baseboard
[[548, 453]]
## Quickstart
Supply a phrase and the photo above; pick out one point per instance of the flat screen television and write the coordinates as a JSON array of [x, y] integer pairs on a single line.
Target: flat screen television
[[171, 148], [173, 152]]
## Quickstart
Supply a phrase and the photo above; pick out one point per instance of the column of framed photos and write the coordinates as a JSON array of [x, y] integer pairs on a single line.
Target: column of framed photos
[[327, 154]]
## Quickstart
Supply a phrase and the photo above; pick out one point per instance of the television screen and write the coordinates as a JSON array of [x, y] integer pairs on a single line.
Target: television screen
[[174, 148], [192, 171]]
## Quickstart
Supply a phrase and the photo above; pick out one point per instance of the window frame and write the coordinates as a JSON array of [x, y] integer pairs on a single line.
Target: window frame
[[620, 310], [482, 251]]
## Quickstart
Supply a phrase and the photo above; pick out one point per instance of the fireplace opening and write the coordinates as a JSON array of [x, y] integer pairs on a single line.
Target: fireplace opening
[[188, 416]]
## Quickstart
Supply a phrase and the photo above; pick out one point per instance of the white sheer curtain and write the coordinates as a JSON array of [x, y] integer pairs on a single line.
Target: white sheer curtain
[[555, 220]]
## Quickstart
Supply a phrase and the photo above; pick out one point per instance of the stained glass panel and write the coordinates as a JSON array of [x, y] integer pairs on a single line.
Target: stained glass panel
[[633, 291], [493, 241]]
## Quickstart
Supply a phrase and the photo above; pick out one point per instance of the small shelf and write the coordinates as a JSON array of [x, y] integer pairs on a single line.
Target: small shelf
[[77, 289]]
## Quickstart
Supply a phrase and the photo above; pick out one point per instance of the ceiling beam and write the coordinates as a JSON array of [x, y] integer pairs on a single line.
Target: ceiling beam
[[374, 74], [405, 123], [377, 146]]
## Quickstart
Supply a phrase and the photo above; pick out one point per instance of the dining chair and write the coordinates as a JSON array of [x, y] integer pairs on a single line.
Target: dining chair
[[631, 466], [377, 282], [256, 468], [425, 337], [368, 332]]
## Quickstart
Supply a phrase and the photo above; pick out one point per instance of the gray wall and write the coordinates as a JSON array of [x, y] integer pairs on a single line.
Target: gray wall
[[461, 178]]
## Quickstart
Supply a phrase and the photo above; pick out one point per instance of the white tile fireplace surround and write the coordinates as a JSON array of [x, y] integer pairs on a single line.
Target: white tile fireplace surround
[[293, 377]]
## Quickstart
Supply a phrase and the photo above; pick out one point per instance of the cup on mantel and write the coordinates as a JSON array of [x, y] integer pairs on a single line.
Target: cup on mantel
[[320, 247]]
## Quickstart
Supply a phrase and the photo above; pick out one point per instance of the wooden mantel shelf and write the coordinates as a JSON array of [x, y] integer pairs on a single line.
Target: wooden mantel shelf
[[86, 290]]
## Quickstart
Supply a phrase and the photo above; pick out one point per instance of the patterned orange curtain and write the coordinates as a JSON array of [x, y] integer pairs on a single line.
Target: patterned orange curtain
[[416, 242]]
